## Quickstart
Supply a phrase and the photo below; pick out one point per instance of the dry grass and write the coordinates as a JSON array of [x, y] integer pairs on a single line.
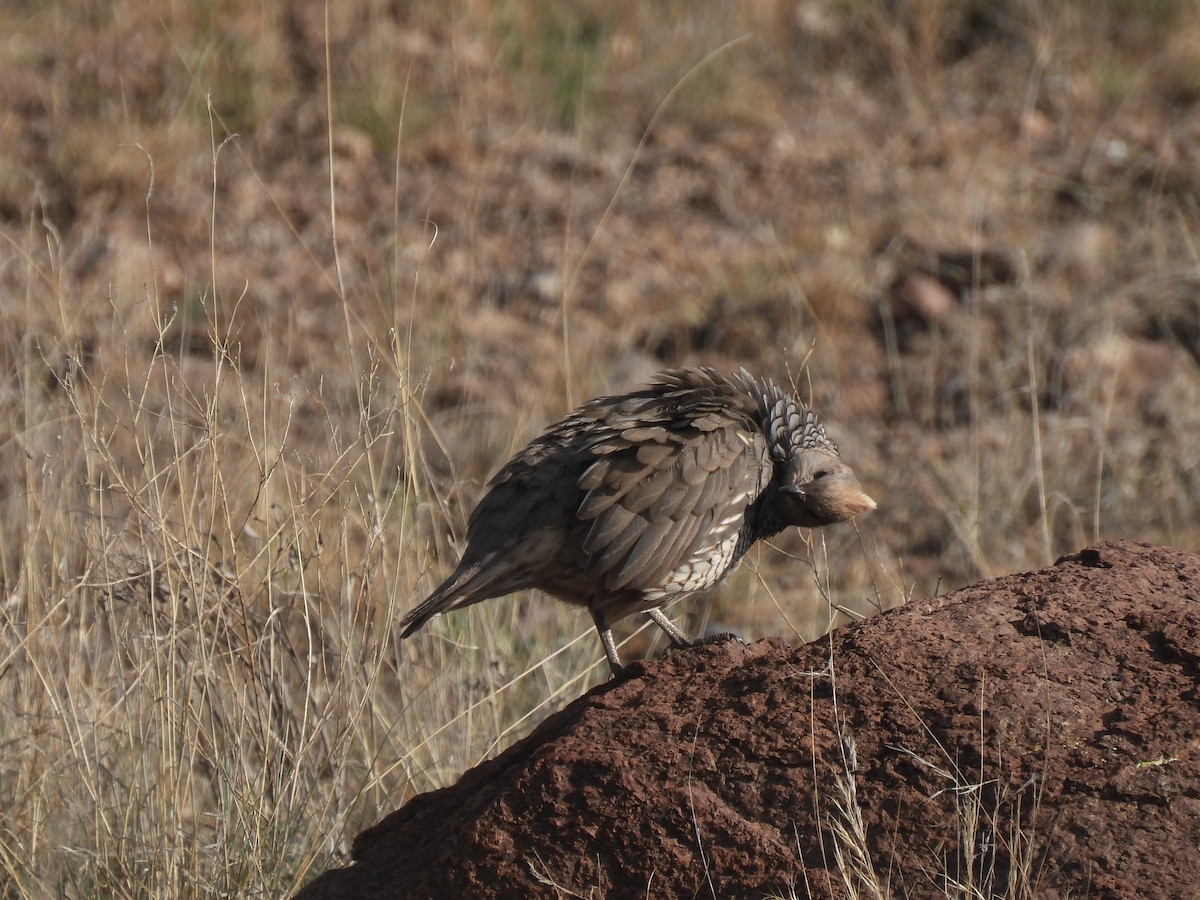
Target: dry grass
[[998, 845], [280, 286]]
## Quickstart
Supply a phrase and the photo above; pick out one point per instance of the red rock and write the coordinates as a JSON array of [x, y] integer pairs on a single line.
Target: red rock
[[1037, 735]]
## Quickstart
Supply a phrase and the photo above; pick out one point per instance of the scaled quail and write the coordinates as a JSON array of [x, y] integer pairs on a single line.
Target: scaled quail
[[639, 498]]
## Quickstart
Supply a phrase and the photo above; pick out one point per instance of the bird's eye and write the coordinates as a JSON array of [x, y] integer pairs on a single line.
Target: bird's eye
[[821, 473]]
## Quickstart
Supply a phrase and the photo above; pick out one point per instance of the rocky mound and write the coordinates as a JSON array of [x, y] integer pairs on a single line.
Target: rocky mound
[[1035, 735]]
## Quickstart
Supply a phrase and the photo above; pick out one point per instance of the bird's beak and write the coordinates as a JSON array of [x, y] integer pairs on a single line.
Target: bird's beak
[[833, 499]]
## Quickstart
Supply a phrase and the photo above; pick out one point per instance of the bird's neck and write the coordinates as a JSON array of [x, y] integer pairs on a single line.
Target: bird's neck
[[764, 518]]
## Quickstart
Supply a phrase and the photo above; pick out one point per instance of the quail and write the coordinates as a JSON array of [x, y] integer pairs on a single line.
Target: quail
[[637, 499]]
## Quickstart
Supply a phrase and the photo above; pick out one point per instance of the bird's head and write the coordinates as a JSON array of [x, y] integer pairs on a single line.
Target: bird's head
[[819, 489], [812, 487]]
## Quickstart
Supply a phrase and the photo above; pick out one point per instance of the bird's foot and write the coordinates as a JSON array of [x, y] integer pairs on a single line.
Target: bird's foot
[[718, 638], [706, 641]]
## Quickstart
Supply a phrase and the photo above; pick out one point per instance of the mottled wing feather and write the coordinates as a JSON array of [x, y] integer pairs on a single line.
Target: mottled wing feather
[[654, 536], [650, 511], [649, 435], [608, 527], [675, 548], [649, 492]]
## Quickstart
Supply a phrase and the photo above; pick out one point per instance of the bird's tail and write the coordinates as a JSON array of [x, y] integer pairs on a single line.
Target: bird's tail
[[466, 587]]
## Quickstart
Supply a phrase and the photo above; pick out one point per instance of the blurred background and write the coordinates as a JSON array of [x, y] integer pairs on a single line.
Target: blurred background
[[282, 284]]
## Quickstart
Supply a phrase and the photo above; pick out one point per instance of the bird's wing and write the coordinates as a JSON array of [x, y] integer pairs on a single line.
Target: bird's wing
[[658, 496]]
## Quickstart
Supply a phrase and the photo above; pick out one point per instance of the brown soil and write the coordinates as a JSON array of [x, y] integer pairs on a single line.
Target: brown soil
[[1034, 735]]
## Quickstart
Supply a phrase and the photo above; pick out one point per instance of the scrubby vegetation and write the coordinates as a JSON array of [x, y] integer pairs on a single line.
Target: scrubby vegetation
[[282, 284]]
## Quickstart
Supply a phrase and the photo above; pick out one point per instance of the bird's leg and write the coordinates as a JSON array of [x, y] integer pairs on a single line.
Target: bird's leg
[[610, 646], [679, 640]]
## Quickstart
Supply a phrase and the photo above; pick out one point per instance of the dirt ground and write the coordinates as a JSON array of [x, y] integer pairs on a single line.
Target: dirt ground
[[1035, 736]]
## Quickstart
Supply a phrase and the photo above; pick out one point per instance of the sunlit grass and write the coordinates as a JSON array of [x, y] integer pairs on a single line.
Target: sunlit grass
[[281, 287]]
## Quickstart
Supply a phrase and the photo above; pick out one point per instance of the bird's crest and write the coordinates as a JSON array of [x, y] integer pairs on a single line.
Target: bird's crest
[[790, 425]]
